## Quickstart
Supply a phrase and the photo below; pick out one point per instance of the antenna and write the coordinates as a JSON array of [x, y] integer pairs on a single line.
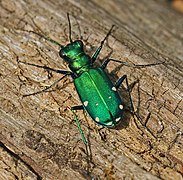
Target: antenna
[[69, 27], [47, 38]]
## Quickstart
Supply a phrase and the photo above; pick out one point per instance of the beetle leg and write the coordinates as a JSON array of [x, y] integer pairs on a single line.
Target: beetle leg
[[105, 63], [80, 107], [79, 127], [119, 82], [44, 90], [107, 59], [131, 64], [48, 68], [95, 55]]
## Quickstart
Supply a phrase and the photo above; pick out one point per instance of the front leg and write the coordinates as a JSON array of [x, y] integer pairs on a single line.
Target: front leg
[[64, 72], [48, 68], [105, 63], [95, 55]]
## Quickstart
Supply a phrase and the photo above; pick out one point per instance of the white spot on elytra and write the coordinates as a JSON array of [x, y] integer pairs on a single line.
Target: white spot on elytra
[[109, 124], [110, 97], [85, 103], [97, 119], [118, 119], [96, 104], [120, 106], [114, 89]]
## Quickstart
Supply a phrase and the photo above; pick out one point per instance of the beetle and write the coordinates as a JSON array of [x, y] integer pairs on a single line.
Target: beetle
[[98, 94]]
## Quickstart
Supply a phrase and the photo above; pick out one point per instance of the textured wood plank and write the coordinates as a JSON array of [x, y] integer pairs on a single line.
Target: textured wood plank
[[39, 138]]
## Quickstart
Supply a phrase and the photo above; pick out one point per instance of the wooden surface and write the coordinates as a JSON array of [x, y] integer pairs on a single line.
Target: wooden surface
[[39, 137]]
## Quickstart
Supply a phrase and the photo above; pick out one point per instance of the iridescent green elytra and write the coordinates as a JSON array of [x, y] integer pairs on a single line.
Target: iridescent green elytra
[[99, 97]]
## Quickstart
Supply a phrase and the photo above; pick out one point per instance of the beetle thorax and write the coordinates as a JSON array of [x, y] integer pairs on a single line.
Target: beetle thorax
[[75, 56]]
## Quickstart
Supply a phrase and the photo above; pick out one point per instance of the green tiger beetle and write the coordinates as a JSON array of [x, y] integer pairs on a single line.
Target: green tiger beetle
[[99, 96]]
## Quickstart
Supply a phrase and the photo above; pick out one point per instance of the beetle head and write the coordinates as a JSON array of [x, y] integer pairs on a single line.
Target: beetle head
[[74, 55]]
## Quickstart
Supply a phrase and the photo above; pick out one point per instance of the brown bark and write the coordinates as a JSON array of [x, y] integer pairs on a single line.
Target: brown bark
[[39, 138]]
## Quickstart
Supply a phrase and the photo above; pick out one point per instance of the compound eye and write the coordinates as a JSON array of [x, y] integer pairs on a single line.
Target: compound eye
[[80, 43], [62, 54]]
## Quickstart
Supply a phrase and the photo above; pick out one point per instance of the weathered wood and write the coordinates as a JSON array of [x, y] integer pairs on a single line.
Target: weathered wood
[[39, 138]]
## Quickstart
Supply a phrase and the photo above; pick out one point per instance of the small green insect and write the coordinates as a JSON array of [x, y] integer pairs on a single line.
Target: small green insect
[[98, 94]]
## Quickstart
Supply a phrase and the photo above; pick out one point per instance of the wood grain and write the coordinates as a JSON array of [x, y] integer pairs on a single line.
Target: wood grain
[[39, 137]]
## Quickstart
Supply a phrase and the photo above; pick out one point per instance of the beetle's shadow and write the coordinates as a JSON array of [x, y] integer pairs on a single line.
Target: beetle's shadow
[[126, 117]]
